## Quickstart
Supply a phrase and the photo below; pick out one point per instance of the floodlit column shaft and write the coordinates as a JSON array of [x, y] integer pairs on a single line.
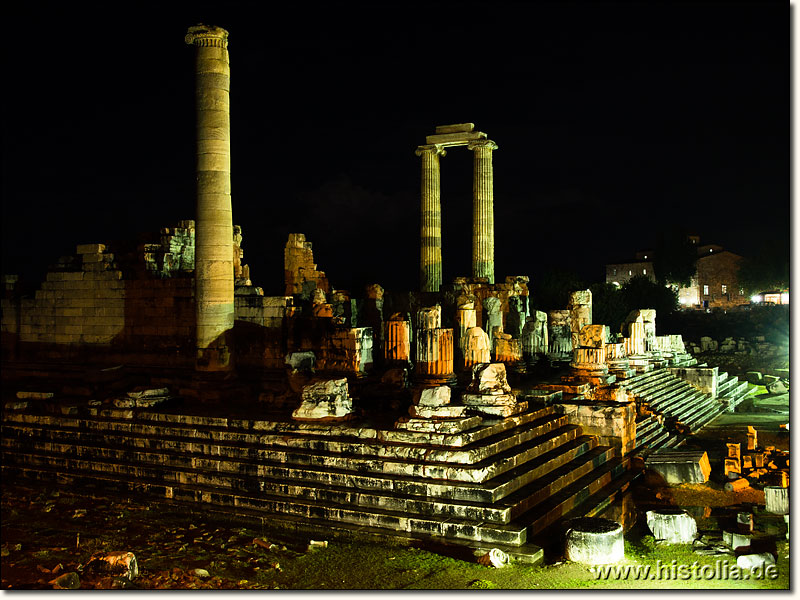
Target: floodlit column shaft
[[214, 306], [430, 261], [483, 210]]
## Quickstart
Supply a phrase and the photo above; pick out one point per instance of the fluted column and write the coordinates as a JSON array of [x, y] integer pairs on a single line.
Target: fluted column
[[430, 260], [483, 210], [214, 308]]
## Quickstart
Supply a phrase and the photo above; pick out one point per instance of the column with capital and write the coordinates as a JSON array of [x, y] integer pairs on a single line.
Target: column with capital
[[483, 209], [430, 259], [214, 302]]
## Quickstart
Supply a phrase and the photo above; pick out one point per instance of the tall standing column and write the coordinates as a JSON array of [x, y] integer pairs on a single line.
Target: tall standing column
[[483, 210], [214, 227], [430, 259]]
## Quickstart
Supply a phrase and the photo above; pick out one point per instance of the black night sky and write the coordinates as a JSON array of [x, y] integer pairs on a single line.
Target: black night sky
[[613, 121]]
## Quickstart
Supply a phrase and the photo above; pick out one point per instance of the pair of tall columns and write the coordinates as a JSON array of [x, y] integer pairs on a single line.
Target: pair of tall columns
[[431, 217], [214, 301]]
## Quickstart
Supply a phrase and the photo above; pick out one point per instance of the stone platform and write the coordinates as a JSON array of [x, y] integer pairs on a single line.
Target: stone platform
[[497, 484]]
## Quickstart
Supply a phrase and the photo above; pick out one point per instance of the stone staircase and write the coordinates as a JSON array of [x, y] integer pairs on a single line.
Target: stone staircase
[[494, 483], [681, 406]]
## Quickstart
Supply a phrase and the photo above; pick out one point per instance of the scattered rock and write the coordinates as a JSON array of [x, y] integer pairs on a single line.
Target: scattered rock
[[326, 399], [202, 573], [494, 558], [67, 581], [122, 564], [750, 561], [316, 544]]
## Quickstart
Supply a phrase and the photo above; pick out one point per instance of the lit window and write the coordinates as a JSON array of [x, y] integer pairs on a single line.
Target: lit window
[[615, 271], [710, 250], [724, 289], [645, 255], [741, 291], [644, 271], [705, 290], [630, 272]]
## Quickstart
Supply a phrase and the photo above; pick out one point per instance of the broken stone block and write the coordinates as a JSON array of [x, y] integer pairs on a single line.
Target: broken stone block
[[751, 561], [680, 466], [744, 520], [776, 499], [477, 349], [734, 451], [747, 462], [733, 468], [67, 581], [397, 339], [433, 397], [736, 540], [327, 400], [778, 387], [35, 395], [594, 541], [758, 460], [300, 361], [122, 564], [535, 337], [673, 527], [489, 379]]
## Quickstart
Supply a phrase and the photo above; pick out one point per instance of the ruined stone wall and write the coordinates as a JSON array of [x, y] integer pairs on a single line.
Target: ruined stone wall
[[302, 276]]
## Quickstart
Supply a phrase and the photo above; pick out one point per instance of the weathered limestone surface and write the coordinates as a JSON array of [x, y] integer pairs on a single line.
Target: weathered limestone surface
[[559, 332], [301, 274], [777, 499], [483, 210], [580, 313], [680, 466], [326, 400], [535, 338], [595, 541], [214, 273], [506, 349], [492, 316], [593, 336], [489, 392], [477, 349], [703, 378], [614, 425], [673, 527], [397, 339], [430, 262]]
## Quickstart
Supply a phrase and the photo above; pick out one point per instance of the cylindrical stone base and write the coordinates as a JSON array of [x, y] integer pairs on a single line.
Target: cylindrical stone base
[[594, 541], [777, 499], [397, 342]]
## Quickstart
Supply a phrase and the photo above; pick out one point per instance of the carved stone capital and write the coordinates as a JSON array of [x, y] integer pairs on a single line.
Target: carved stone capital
[[432, 149], [486, 144], [207, 35]]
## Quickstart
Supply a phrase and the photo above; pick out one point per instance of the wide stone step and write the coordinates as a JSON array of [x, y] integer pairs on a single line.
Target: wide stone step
[[182, 453], [701, 418], [217, 441], [681, 405], [653, 441], [641, 383], [276, 506], [667, 392], [199, 427], [569, 498], [653, 386], [461, 501], [680, 394]]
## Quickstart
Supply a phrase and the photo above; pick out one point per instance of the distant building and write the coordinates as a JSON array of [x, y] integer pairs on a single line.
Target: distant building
[[715, 284], [620, 273]]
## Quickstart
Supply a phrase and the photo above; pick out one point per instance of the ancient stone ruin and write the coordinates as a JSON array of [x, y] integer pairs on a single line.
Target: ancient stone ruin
[[417, 416]]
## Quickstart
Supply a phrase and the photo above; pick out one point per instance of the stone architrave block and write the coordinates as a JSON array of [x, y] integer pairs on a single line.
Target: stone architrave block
[[736, 540], [593, 336], [433, 397], [326, 400]]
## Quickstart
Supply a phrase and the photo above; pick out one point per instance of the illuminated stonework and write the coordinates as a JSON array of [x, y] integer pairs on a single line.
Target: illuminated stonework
[[214, 268]]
